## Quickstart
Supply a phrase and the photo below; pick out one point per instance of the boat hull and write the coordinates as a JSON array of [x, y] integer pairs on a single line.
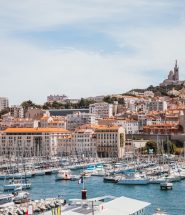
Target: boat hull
[[133, 182]]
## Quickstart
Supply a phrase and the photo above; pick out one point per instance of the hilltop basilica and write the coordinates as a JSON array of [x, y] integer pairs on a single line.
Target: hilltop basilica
[[173, 77]]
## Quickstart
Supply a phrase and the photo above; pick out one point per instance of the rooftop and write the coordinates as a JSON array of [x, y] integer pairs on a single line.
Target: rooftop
[[115, 206], [36, 130]]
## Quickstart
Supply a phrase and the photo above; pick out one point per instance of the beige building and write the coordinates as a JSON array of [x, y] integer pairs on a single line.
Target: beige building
[[94, 140], [110, 141], [52, 122], [84, 142], [29, 142]]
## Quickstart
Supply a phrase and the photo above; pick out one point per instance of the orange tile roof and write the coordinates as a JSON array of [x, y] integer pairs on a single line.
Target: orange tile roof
[[98, 127], [162, 125], [36, 130]]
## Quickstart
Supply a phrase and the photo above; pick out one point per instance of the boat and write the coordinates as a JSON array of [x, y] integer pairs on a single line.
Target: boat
[[66, 175], [156, 180], [6, 200], [86, 174], [159, 212], [63, 175], [111, 178], [99, 170], [16, 184], [134, 179], [39, 172], [21, 197], [166, 185]]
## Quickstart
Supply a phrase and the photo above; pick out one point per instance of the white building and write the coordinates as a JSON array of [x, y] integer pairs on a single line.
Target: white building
[[17, 111], [4, 103], [77, 119], [56, 98], [157, 105], [131, 126], [102, 109], [29, 142]]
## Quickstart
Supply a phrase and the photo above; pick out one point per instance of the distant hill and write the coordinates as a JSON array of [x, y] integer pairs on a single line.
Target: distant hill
[[158, 90]]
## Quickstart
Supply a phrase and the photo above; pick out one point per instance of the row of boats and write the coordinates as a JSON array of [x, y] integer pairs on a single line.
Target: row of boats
[[121, 173], [148, 175]]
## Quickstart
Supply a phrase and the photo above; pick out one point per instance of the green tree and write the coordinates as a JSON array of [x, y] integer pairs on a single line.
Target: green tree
[[151, 145], [108, 99], [170, 147], [4, 111], [121, 101], [27, 104]]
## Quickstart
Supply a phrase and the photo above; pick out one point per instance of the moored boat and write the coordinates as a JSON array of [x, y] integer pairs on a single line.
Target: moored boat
[[134, 179], [6, 200]]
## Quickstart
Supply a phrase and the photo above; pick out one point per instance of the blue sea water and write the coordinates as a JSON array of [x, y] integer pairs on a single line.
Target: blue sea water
[[172, 201]]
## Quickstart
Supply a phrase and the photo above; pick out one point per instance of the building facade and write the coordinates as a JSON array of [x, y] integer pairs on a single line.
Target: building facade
[[4, 103], [95, 141], [31, 142], [17, 111], [77, 119], [56, 98], [110, 141], [102, 109], [157, 105]]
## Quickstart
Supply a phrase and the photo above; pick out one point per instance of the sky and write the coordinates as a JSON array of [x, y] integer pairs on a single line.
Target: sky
[[85, 48]]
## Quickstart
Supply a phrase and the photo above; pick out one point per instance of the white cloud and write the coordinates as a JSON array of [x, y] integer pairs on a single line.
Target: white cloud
[[33, 73]]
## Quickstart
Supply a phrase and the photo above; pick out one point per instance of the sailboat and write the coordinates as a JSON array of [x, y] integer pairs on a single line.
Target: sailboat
[[14, 184]]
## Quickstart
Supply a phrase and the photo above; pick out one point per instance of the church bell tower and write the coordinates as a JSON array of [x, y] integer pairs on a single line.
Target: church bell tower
[[176, 72]]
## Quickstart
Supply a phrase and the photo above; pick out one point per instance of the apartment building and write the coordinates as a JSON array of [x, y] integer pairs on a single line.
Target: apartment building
[[17, 111], [52, 122], [29, 142], [77, 119], [157, 105], [56, 98], [9, 121], [102, 109], [110, 141], [131, 126], [65, 146], [84, 142], [4, 103], [95, 140], [163, 128]]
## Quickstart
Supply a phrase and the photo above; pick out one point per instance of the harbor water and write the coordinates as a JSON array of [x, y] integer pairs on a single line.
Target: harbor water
[[171, 201]]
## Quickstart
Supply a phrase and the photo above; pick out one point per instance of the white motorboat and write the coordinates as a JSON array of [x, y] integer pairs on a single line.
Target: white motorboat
[[39, 172], [16, 184], [166, 185], [21, 197], [159, 212], [111, 178], [6, 200], [157, 179], [134, 179], [63, 175]]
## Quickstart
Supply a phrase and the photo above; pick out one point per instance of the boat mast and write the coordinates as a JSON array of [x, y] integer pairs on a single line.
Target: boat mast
[[184, 150]]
